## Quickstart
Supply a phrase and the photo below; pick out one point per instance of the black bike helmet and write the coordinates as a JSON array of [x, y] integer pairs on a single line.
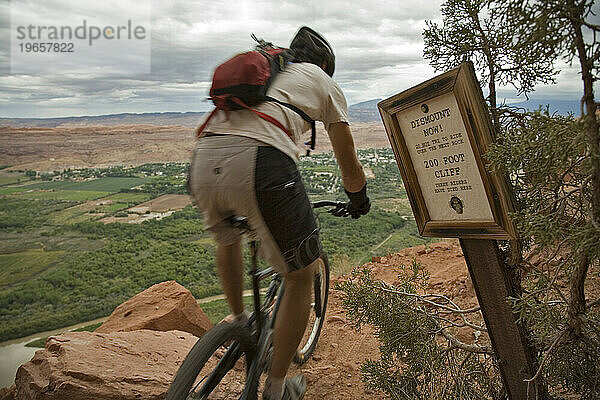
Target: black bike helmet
[[309, 46]]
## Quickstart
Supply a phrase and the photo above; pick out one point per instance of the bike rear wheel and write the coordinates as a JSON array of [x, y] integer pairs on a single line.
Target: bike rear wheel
[[308, 344], [317, 312], [216, 366]]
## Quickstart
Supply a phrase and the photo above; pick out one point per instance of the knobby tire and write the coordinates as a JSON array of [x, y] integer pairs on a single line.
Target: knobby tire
[[233, 334], [317, 317]]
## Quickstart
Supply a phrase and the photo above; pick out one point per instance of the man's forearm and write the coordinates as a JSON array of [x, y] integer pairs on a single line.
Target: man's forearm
[[353, 175]]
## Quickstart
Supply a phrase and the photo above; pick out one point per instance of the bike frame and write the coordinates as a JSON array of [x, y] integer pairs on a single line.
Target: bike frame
[[260, 318], [259, 315]]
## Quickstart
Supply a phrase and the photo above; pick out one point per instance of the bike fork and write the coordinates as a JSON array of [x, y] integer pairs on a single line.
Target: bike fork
[[256, 286]]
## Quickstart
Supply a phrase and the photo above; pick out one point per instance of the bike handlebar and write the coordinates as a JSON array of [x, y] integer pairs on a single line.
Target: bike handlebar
[[337, 208], [328, 203]]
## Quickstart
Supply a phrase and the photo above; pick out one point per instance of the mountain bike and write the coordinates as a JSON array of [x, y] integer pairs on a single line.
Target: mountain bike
[[228, 361]]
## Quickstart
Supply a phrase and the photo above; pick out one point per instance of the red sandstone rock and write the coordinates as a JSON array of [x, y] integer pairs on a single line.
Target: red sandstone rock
[[163, 307], [89, 365], [8, 393]]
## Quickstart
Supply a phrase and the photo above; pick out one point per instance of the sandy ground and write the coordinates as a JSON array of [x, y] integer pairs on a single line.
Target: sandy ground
[[48, 149], [164, 203], [334, 371]]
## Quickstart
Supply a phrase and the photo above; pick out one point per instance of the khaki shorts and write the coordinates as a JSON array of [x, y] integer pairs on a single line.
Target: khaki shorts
[[234, 175]]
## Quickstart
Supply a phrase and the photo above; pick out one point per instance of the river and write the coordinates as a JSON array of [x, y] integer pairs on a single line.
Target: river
[[13, 353]]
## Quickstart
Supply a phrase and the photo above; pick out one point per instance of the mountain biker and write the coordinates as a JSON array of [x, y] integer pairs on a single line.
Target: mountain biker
[[246, 166]]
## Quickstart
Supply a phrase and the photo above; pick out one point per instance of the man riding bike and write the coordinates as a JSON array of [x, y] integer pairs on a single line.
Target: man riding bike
[[244, 165]]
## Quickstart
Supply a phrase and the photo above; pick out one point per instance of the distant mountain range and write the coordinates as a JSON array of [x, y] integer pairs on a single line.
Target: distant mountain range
[[187, 119], [563, 107], [365, 111]]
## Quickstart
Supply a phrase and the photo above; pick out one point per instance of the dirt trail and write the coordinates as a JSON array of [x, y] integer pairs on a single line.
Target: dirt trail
[[334, 371]]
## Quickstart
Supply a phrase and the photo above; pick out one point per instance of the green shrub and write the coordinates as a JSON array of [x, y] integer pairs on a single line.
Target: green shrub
[[419, 356]]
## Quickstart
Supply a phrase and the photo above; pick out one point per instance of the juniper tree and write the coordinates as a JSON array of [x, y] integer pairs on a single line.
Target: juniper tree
[[554, 164], [476, 31]]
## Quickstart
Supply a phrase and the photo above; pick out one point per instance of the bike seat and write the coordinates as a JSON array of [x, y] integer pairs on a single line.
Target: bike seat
[[239, 222]]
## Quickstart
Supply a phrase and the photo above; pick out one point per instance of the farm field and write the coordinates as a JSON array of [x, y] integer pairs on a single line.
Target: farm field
[[16, 267], [128, 198], [11, 178], [108, 184], [69, 195], [10, 190], [164, 203]]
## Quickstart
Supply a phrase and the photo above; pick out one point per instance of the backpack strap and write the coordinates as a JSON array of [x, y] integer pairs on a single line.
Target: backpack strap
[[264, 116], [268, 118], [200, 130], [313, 136]]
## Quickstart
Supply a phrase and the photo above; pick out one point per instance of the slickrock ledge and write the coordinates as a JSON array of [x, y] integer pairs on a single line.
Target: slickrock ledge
[[91, 365]]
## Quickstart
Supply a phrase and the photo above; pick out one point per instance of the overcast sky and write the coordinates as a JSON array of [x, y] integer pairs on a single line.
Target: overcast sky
[[378, 46]]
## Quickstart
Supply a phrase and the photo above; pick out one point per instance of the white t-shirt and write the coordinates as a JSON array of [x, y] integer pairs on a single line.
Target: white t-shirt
[[304, 85]]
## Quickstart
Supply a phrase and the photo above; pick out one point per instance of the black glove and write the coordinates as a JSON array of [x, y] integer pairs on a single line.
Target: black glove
[[359, 202], [340, 211]]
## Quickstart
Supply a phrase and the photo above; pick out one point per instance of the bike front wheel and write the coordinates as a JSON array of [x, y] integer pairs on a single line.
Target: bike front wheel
[[216, 366], [317, 312]]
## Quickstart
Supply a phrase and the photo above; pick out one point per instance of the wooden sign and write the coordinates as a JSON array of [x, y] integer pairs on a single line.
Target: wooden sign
[[440, 131]]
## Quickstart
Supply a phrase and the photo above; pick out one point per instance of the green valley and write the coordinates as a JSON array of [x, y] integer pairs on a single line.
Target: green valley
[[64, 259]]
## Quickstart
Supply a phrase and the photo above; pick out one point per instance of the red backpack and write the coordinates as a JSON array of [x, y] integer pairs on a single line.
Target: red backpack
[[243, 81]]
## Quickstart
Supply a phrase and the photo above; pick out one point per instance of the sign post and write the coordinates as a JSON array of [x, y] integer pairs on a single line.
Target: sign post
[[440, 131]]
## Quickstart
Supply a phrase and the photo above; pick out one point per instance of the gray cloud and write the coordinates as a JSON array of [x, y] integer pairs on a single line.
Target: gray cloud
[[378, 46]]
